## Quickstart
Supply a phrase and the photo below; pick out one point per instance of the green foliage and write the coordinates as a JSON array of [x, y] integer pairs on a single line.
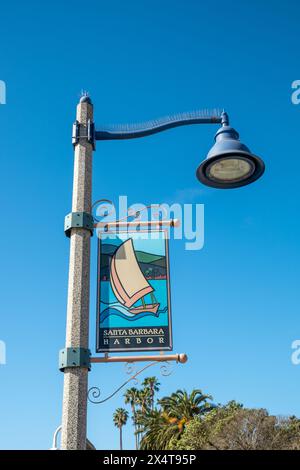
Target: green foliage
[[131, 397], [184, 421], [151, 385], [141, 402], [120, 417], [162, 426], [232, 427], [181, 405]]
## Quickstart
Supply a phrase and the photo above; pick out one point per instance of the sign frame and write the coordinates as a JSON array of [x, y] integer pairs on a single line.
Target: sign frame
[[101, 349]]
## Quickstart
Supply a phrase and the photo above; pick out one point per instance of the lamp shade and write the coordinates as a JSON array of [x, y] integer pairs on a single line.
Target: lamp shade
[[229, 164]]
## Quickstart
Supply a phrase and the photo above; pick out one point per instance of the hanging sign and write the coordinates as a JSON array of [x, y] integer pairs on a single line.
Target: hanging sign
[[133, 291]]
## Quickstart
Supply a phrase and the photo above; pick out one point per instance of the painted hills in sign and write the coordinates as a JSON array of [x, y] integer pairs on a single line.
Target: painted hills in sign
[[152, 266]]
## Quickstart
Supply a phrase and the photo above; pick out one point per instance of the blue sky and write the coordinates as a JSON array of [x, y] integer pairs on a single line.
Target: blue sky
[[236, 301]]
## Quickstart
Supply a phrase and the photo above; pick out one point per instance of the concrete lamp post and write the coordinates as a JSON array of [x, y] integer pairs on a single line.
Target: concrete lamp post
[[229, 165]]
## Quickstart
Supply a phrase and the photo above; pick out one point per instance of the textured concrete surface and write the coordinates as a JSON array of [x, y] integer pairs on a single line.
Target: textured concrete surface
[[74, 419]]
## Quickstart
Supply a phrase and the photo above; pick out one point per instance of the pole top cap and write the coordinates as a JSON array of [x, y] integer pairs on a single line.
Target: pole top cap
[[85, 98]]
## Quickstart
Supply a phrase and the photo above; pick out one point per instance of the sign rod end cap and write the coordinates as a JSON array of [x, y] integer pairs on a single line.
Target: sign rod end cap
[[182, 358]]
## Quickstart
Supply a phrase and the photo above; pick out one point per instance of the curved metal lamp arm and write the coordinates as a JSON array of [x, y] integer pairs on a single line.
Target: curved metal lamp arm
[[55, 436], [133, 131]]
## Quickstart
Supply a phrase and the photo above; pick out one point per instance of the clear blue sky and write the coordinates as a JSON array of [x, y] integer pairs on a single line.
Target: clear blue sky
[[236, 302]]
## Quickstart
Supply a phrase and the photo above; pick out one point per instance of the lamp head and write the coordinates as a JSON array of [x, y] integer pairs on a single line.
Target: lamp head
[[229, 164]]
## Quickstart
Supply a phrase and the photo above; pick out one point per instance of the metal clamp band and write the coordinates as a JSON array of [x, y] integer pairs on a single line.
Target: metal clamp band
[[89, 130], [74, 357], [79, 220]]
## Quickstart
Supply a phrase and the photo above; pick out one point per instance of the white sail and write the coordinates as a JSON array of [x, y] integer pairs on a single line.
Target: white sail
[[126, 278]]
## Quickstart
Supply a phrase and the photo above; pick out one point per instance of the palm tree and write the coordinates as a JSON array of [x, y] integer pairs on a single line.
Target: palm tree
[[120, 417], [132, 398], [182, 406], [144, 402], [152, 384], [144, 399], [160, 426], [157, 430]]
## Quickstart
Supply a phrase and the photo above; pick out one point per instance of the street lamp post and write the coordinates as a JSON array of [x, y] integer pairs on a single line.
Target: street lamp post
[[229, 164], [77, 329]]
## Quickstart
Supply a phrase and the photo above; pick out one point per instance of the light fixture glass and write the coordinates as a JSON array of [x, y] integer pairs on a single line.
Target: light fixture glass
[[230, 169]]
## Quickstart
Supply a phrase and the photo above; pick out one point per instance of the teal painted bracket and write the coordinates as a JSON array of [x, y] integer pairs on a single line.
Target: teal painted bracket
[[79, 220], [74, 357]]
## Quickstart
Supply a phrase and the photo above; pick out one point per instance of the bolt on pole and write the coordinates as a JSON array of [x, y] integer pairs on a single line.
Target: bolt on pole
[[74, 416]]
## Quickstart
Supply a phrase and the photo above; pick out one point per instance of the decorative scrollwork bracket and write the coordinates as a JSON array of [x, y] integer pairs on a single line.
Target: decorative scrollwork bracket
[[130, 362]]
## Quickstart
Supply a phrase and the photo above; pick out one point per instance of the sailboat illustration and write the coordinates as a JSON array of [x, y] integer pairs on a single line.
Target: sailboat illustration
[[128, 282]]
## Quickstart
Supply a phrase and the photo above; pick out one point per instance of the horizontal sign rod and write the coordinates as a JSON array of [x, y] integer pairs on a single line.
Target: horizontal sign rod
[[182, 358], [142, 223]]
